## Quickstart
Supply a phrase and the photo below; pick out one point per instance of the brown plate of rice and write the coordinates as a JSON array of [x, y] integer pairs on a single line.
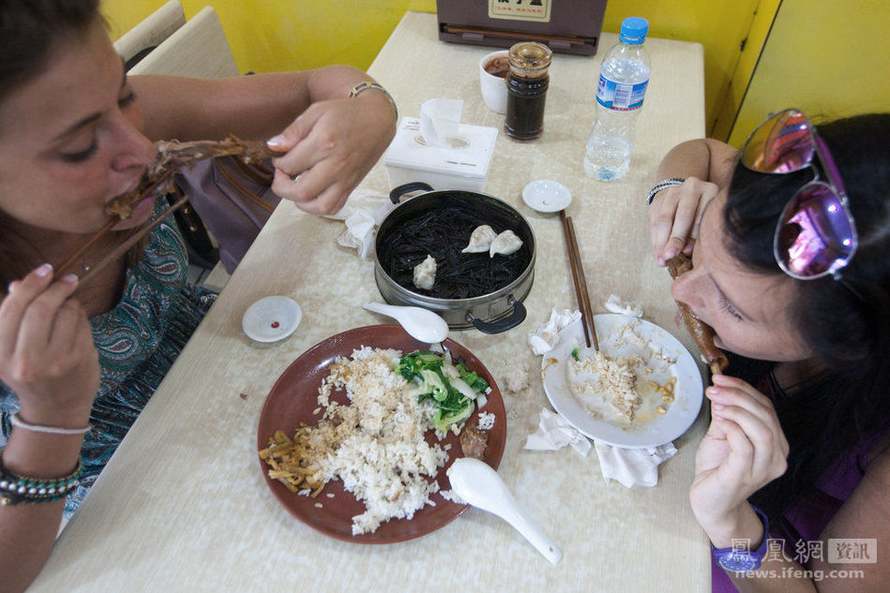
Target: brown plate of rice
[[400, 483]]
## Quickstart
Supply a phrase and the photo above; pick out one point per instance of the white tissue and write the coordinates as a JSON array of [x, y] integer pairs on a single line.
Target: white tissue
[[544, 338], [616, 305], [630, 467], [440, 120], [362, 213], [554, 432], [633, 467]]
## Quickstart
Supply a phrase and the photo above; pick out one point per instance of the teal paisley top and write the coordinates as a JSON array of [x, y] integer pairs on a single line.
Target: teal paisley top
[[137, 342]]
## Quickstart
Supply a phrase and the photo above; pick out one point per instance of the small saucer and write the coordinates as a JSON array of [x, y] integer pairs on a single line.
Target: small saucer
[[545, 195], [271, 319]]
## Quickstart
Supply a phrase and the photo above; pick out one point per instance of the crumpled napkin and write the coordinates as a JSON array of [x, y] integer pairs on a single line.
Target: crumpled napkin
[[545, 338], [630, 467], [616, 304], [362, 213], [633, 467], [554, 432]]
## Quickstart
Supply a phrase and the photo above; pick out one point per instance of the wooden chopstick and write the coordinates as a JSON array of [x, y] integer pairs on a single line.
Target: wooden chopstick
[[579, 280], [79, 253], [585, 297], [122, 249], [576, 280]]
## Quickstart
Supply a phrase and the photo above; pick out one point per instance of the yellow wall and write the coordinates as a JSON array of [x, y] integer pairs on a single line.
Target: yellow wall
[[268, 35], [272, 35], [826, 57]]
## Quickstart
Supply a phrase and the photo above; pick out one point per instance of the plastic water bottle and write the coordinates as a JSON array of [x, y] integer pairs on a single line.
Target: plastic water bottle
[[624, 76]]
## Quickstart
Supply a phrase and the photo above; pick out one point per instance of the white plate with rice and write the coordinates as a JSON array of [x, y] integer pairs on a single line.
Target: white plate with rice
[[656, 406]]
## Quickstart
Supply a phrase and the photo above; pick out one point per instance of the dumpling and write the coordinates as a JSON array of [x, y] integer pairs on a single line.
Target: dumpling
[[480, 239], [505, 244], [425, 273]]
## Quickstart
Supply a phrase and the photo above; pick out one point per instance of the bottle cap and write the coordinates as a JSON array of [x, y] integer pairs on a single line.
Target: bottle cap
[[529, 59], [633, 30]]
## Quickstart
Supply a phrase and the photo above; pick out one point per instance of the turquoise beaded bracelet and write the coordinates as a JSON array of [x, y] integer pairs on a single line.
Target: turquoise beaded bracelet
[[15, 489]]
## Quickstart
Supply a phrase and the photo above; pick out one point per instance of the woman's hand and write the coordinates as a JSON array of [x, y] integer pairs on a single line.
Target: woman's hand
[[743, 450], [330, 148], [47, 355], [674, 217]]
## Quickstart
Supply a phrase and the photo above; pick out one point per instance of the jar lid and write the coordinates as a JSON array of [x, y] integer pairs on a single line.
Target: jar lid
[[530, 57]]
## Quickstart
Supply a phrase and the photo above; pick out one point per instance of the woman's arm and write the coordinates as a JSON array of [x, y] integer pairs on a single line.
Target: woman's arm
[[705, 159], [745, 449], [674, 215], [328, 141], [255, 107], [27, 531], [865, 516], [47, 357]]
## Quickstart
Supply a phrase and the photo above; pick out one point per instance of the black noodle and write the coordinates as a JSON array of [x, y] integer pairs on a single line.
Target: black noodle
[[443, 233]]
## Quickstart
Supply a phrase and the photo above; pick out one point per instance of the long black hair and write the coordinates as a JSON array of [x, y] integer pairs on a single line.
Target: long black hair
[[846, 324]]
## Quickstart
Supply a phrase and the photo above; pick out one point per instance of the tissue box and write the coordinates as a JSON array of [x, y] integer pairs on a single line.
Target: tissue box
[[461, 164]]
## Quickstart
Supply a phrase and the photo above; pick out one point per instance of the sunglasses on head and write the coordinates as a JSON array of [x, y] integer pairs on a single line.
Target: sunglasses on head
[[816, 234]]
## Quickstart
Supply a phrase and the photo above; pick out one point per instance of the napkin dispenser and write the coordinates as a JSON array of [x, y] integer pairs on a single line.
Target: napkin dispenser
[[567, 26], [459, 161]]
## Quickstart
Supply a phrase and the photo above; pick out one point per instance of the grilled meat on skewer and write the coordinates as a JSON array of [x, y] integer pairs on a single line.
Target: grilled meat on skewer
[[701, 333]]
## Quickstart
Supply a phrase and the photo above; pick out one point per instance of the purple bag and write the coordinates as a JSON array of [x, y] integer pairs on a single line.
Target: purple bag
[[233, 199]]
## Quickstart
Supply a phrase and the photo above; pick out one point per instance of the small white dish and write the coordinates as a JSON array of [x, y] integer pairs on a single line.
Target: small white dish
[[546, 195], [271, 319]]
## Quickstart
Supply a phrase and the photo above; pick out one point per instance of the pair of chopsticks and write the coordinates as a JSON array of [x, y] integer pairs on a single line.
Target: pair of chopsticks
[[121, 249], [578, 278]]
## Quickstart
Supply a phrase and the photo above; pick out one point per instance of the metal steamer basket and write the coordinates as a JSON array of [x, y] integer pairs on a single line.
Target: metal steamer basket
[[491, 313]]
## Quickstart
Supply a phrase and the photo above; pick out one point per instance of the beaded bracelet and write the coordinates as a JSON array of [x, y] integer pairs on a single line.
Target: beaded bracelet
[[15, 489], [664, 184]]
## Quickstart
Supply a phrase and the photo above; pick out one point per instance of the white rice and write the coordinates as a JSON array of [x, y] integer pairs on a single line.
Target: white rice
[[378, 446], [486, 420]]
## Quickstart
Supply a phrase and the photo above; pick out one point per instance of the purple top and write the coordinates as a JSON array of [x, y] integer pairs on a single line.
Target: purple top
[[809, 515]]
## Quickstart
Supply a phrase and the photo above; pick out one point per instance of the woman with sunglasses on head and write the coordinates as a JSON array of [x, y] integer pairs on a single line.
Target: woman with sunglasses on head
[[76, 132], [789, 239]]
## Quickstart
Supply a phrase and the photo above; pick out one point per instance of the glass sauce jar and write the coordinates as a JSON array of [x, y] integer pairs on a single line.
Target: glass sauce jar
[[527, 84]]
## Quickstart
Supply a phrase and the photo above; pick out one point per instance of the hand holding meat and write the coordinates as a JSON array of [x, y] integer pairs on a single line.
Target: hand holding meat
[[329, 149], [700, 332], [674, 217]]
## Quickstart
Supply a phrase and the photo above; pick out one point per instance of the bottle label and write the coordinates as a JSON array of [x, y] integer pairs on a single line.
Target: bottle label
[[618, 96]]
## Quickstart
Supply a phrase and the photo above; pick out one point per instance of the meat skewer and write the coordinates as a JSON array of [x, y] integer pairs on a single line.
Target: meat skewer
[[173, 156], [701, 333], [158, 180]]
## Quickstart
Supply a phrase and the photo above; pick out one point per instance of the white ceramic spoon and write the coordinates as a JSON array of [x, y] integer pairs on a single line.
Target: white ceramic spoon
[[421, 324], [479, 485]]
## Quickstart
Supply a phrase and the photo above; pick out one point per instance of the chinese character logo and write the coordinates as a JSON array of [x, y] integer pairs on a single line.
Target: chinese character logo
[[852, 550]]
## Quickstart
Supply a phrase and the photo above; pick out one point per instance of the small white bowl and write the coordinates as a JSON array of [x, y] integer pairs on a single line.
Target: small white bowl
[[494, 88], [271, 319], [546, 195]]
